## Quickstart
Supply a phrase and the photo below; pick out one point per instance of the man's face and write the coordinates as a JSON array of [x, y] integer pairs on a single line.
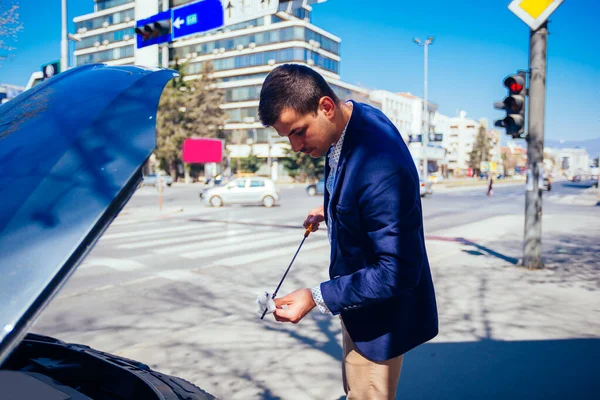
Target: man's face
[[310, 134]]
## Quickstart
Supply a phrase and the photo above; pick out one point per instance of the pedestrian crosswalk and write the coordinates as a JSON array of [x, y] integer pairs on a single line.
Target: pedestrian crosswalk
[[131, 246]]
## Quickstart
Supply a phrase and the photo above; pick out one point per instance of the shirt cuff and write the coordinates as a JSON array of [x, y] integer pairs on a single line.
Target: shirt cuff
[[318, 298]]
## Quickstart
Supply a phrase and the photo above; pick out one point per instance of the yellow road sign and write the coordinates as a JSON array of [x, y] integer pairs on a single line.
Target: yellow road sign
[[534, 12]]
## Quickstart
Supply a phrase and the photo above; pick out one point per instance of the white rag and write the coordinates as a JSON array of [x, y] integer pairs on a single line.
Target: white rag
[[265, 301]]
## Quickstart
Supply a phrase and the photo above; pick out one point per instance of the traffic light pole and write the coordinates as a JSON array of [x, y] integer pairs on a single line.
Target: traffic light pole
[[532, 253]]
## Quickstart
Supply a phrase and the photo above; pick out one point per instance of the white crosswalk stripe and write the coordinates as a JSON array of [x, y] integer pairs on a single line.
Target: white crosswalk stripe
[[209, 234], [154, 247], [271, 239], [265, 255], [138, 233], [228, 237]]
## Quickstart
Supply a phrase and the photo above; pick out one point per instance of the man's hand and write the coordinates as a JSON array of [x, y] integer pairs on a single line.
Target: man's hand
[[315, 217], [299, 303]]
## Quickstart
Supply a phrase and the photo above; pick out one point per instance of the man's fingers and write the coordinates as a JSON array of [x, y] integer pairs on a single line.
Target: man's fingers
[[280, 301], [314, 227], [283, 314]]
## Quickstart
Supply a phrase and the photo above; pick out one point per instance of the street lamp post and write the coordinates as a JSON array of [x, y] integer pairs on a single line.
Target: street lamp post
[[64, 41], [425, 44]]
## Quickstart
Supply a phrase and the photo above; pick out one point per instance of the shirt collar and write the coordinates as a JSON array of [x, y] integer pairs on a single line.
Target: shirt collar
[[336, 149]]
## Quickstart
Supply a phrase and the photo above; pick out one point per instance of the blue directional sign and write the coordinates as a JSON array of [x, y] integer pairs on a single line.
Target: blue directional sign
[[155, 40], [197, 17], [186, 20]]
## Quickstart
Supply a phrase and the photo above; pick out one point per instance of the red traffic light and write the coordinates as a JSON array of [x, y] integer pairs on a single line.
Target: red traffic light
[[515, 87], [515, 83]]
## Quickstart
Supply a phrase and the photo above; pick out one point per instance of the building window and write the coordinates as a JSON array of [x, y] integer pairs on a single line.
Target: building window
[[103, 5], [258, 39], [264, 58], [106, 55], [110, 37], [99, 22], [242, 114]]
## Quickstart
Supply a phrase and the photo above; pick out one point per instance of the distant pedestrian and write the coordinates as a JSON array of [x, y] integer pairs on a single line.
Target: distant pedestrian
[[380, 282], [490, 191]]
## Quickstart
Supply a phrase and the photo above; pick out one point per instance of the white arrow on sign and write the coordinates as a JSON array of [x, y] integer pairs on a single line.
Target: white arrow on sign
[[178, 22]]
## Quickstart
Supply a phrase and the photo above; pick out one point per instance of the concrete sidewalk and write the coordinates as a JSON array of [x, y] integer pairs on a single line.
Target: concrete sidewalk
[[507, 332]]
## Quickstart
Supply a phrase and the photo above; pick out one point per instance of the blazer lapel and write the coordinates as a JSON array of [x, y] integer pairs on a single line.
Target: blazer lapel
[[326, 196]]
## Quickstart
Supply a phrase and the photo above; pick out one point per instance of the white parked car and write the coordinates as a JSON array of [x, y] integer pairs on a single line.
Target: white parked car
[[247, 190]]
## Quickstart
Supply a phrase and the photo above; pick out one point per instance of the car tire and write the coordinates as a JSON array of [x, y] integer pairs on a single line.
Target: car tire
[[312, 191], [216, 201], [268, 201]]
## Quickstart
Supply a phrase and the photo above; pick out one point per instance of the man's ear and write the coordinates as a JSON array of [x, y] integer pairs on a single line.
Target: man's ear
[[327, 105]]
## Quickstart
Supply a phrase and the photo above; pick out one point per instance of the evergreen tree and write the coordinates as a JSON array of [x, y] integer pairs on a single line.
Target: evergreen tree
[[170, 122], [298, 164], [188, 109], [481, 150]]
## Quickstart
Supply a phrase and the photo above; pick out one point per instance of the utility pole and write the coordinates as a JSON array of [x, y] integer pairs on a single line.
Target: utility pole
[[532, 253], [64, 40], [425, 44]]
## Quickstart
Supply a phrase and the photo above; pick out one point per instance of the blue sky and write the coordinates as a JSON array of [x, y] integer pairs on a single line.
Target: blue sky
[[476, 45]]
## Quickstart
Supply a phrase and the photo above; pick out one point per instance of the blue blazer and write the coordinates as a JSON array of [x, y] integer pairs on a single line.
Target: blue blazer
[[380, 281]]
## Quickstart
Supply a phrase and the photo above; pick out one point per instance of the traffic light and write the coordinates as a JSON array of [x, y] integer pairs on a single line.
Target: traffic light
[[51, 69], [514, 104], [154, 29]]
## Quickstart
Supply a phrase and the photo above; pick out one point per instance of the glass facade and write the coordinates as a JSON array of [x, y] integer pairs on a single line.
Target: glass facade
[[243, 77], [111, 37], [279, 56], [243, 93], [96, 23], [106, 55], [258, 135], [177, 3], [259, 39], [103, 5], [240, 114]]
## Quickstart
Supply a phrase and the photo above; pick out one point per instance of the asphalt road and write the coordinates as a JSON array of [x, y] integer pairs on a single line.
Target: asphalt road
[[176, 288]]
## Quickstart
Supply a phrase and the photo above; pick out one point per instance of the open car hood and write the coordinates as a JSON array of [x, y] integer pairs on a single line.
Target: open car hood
[[71, 153]]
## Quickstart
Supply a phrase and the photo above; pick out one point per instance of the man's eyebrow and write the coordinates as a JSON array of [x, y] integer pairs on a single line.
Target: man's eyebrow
[[293, 131]]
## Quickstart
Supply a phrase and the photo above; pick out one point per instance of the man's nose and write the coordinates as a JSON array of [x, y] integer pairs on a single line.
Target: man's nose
[[296, 145]]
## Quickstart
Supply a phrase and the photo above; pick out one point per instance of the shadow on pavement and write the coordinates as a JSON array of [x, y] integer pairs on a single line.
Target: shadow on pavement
[[482, 250], [489, 369]]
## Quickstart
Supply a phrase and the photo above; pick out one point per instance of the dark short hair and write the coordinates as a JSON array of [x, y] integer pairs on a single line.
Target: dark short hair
[[292, 86]]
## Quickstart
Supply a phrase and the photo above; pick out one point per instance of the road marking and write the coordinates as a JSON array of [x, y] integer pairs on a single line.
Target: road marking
[[253, 257], [229, 237], [118, 264], [234, 245], [211, 233], [182, 228]]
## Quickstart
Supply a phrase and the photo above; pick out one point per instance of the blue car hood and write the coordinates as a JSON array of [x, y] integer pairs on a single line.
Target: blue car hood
[[71, 153]]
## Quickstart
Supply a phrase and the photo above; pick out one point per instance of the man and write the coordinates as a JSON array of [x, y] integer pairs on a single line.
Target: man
[[380, 283]]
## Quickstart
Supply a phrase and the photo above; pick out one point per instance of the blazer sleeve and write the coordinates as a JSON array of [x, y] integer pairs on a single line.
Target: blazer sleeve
[[391, 216]]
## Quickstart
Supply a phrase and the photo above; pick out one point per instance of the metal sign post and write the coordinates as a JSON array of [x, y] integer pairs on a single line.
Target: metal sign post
[[535, 14]]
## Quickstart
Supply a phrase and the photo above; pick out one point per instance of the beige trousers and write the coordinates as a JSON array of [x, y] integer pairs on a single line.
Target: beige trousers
[[365, 379]]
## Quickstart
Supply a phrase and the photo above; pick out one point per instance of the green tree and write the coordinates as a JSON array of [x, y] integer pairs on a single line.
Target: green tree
[[481, 150], [298, 164], [170, 123], [187, 109], [250, 164], [205, 117]]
